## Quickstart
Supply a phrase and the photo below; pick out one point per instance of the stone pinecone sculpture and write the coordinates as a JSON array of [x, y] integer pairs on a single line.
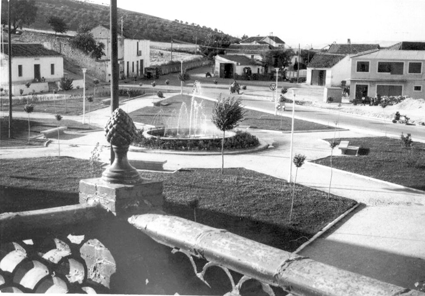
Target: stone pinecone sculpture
[[120, 129]]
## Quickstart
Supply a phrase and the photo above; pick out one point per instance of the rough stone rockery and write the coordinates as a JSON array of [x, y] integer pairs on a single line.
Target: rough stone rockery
[[120, 132]]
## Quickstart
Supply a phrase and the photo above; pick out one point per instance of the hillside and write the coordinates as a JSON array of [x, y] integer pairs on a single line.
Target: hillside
[[136, 25]]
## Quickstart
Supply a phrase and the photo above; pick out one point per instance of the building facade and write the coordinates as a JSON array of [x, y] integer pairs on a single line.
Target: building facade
[[33, 65], [388, 73]]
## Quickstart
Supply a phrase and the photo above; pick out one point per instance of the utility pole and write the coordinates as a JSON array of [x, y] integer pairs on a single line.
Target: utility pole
[[114, 62], [298, 68], [9, 36]]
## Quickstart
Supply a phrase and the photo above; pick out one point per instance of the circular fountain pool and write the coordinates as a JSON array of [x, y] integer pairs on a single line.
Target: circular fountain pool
[[183, 134]]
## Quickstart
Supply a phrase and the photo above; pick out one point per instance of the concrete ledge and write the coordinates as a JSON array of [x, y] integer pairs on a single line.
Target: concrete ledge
[[261, 147], [53, 132], [148, 165]]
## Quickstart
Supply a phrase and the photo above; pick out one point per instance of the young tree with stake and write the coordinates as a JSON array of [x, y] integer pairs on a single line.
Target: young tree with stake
[[227, 113]]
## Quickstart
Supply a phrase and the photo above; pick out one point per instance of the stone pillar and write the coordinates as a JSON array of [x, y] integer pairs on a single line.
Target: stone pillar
[[121, 190], [123, 199]]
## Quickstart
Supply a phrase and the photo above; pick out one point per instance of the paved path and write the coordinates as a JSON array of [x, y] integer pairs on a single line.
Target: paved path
[[383, 239]]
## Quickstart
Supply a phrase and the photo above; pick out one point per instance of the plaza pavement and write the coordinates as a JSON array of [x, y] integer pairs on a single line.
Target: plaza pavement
[[384, 238]]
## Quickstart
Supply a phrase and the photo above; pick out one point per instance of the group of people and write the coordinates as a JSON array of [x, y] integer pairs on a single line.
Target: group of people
[[400, 118], [234, 87]]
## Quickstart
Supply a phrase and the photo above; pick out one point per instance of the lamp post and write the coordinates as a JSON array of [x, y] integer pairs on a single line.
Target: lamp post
[[276, 100], [182, 77], [84, 94], [292, 140]]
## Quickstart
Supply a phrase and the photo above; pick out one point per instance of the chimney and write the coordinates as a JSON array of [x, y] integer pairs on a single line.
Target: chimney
[[349, 45]]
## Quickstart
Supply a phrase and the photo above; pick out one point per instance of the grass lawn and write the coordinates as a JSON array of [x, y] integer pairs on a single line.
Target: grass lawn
[[159, 115], [386, 160], [20, 130], [245, 202]]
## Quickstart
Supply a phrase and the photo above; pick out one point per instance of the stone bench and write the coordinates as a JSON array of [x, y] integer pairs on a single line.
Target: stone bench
[[148, 165], [53, 132], [348, 150]]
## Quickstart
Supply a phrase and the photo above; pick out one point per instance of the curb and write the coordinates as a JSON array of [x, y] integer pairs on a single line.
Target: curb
[[371, 179], [326, 228], [263, 146]]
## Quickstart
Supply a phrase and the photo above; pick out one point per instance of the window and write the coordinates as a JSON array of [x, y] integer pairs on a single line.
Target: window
[[132, 67], [20, 70], [52, 69], [362, 66], [415, 67], [417, 88], [389, 90], [394, 68]]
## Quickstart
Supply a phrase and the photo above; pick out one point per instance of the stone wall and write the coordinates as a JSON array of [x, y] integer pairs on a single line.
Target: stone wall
[[62, 45]]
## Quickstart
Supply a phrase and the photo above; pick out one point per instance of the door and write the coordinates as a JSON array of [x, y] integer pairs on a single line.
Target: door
[[361, 91], [37, 74], [141, 67], [322, 77], [128, 69], [318, 77]]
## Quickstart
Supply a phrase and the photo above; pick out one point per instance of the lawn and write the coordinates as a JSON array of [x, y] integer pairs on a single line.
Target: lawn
[[20, 130], [159, 115], [386, 160], [245, 202]]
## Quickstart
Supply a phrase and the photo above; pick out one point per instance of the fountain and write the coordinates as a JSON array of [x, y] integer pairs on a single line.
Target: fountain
[[189, 123]]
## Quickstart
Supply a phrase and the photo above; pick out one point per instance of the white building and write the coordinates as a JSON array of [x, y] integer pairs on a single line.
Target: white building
[[32, 64], [133, 53]]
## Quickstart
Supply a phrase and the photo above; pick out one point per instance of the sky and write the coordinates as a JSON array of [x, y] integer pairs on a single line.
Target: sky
[[304, 23]]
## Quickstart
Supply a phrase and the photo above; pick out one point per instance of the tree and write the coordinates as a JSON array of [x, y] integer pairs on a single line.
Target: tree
[[227, 113], [298, 161], [58, 118], [278, 58], [85, 42], [23, 12], [58, 24], [244, 36], [29, 108]]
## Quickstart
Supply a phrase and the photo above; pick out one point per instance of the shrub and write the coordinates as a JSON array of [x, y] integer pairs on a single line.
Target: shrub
[[160, 94], [255, 76], [244, 87], [66, 83], [242, 140], [208, 74], [330, 100], [153, 83], [130, 92], [184, 77], [215, 81], [284, 90], [406, 141], [167, 82]]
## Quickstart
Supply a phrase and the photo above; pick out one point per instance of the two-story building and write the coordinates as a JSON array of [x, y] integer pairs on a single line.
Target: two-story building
[[388, 73], [133, 52], [32, 64]]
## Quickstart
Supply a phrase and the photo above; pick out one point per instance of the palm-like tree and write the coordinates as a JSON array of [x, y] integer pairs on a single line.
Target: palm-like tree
[[227, 113], [298, 161], [29, 108]]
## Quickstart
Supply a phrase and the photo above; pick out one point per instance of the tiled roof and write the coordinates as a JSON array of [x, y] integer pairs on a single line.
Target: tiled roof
[[395, 55], [276, 39], [252, 39], [248, 48], [351, 48], [242, 60], [29, 50], [408, 45], [325, 60]]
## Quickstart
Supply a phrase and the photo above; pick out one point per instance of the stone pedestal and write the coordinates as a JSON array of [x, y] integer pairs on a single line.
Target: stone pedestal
[[123, 199]]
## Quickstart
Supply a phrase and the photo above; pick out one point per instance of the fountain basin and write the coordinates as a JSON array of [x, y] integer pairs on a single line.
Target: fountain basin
[[183, 134]]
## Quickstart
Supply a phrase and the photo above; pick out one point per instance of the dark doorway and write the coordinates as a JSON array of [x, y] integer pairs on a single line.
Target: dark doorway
[[318, 77], [361, 91], [226, 70], [37, 74], [128, 69], [141, 67]]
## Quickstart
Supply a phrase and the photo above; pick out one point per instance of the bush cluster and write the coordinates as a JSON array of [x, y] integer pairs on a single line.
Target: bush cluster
[[242, 140], [382, 101], [66, 83]]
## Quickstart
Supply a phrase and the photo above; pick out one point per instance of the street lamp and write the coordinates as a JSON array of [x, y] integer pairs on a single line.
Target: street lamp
[[182, 77], [84, 94]]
